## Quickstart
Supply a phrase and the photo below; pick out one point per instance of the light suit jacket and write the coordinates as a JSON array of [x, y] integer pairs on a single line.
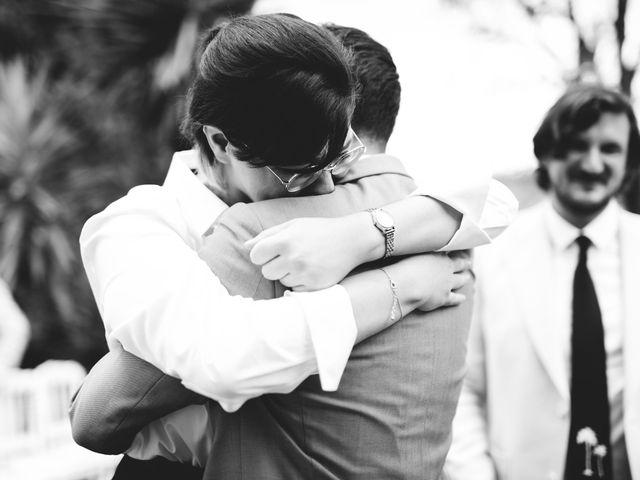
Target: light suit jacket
[[513, 418]]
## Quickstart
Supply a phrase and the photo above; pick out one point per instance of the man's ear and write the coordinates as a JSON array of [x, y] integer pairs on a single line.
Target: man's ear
[[218, 143]]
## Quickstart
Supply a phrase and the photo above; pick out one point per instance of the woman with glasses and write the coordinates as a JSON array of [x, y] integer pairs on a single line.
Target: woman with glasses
[[294, 181], [271, 91]]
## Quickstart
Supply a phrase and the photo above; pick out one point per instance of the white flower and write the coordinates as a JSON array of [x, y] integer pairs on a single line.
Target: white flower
[[600, 451], [587, 435]]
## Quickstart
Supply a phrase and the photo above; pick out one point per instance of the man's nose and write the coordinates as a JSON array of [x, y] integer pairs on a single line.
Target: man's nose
[[593, 162]]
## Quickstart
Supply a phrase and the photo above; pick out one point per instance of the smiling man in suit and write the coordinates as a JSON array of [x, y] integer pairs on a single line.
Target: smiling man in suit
[[553, 388]]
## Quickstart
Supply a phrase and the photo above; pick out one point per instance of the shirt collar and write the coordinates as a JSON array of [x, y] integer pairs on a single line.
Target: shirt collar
[[200, 206], [370, 165], [602, 230]]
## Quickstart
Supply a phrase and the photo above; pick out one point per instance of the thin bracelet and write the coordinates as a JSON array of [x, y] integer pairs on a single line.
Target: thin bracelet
[[396, 301]]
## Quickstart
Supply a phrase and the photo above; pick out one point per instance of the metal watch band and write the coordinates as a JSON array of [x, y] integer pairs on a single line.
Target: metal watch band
[[389, 243], [388, 232]]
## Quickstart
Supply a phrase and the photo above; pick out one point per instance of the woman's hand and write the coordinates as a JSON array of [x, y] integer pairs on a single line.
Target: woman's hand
[[308, 254], [433, 280]]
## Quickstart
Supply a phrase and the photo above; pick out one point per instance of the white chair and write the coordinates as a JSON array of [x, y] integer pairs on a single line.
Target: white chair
[[35, 434]]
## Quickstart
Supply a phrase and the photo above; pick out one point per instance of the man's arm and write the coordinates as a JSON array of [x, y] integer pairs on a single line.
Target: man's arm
[[119, 397], [162, 303], [123, 397]]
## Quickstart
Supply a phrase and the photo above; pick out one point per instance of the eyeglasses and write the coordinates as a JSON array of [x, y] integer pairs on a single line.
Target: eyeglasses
[[352, 151]]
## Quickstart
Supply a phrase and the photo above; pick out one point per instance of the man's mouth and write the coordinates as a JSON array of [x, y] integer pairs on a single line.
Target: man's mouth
[[588, 179]]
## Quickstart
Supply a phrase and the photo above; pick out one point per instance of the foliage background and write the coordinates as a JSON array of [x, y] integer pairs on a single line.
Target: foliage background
[[91, 96], [478, 75]]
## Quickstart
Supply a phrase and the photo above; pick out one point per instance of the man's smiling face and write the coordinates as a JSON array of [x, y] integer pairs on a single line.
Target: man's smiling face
[[593, 168]]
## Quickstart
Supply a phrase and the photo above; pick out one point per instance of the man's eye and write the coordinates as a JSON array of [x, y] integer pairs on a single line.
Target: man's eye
[[577, 145], [610, 148]]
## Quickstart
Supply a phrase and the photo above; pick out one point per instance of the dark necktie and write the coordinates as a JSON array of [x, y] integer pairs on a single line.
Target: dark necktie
[[589, 450]]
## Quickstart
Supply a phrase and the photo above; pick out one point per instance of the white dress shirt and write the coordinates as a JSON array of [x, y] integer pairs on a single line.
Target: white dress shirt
[[487, 205], [162, 303], [603, 262]]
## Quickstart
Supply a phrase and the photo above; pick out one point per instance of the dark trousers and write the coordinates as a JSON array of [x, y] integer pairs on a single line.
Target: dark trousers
[[156, 469]]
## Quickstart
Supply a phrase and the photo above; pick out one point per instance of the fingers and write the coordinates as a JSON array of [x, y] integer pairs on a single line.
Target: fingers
[[276, 269], [460, 253], [460, 279], [460, 263], [266, 250], [269, 232], [454, 299], [291, 282]]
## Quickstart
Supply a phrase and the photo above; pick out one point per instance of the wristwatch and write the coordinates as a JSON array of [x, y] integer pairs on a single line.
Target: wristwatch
[[384, 222]]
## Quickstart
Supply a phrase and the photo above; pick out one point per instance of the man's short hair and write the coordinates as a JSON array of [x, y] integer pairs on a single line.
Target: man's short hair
[[279, 88], [378, 82], [577, 110]]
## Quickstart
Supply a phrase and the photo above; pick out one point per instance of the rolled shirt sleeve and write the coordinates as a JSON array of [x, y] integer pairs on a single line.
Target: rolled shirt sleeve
[[162, 303], [487, 206], [185, 435], [332, 330]]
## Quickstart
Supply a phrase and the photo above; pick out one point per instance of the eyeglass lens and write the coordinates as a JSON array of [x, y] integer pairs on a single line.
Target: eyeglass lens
[[354, 149]]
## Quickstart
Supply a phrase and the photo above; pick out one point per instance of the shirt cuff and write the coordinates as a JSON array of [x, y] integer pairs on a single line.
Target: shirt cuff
[[333, 331], [468, 235], [487, 209]]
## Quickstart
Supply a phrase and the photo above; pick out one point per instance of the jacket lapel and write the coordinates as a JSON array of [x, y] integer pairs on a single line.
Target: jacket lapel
[[535, 292], [630, 265]]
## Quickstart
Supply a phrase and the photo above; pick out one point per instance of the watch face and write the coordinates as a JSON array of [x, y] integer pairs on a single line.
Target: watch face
[[384, 219]]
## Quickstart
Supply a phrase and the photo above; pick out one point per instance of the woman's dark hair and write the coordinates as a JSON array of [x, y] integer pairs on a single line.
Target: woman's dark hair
[[577, 110], [280, 89]]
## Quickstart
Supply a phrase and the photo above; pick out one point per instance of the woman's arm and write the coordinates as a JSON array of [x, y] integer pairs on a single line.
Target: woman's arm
[[425, 282], [315, 253]]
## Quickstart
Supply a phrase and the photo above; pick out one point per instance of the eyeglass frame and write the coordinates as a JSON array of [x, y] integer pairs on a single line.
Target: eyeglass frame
[[347, 158]]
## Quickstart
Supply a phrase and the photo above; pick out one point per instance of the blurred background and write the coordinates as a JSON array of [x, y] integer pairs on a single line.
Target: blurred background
[[92, 93]]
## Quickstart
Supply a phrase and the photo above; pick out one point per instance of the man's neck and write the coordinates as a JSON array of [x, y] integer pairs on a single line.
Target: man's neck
[[374, 146], [577, 219]]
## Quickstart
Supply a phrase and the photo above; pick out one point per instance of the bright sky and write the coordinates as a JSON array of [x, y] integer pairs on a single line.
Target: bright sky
[[470, 102]]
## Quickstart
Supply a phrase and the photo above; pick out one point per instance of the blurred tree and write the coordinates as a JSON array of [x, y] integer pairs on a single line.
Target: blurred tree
[[91, 95], [587, 41], [42, 185]]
